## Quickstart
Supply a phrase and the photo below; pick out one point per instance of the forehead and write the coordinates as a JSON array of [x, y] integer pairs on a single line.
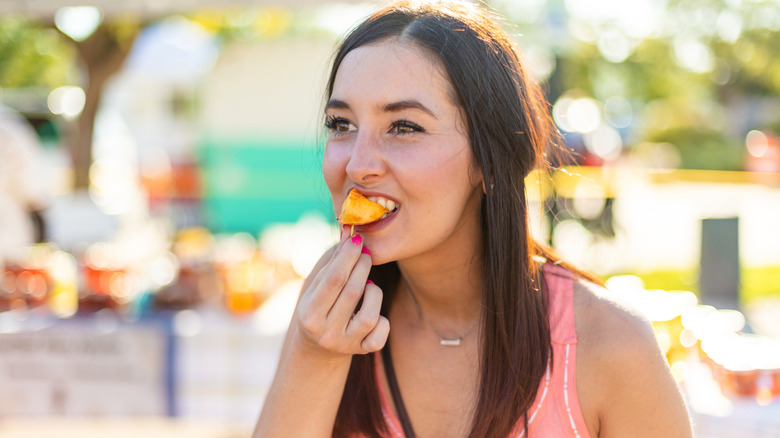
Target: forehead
[[392, 71]]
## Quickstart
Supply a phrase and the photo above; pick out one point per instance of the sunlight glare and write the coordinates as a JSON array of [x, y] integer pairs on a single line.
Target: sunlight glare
[[78, 22]]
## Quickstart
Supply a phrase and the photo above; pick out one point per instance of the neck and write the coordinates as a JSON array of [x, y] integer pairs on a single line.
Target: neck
[[446, 281], [448, 293]]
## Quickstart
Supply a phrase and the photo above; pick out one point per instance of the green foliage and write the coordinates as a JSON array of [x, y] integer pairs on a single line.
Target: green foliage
[[682, 79], [32, 55], [703, 148], [245, 24], [753, 62]]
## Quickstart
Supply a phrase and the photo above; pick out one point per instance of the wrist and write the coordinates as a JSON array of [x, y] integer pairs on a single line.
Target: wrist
[[304, 348]]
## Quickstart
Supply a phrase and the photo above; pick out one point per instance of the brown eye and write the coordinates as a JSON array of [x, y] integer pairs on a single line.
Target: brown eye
[[338, 125], [403, 127]]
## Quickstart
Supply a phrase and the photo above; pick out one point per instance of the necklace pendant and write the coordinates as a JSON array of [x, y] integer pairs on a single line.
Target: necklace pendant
[[450, 342]]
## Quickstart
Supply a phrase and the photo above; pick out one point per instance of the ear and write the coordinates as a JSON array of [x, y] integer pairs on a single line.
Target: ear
[[484, 187], [475, 177], [480, 178]]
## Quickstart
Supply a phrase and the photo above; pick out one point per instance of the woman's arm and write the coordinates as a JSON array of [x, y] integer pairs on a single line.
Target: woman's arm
[[323, 335], [624, 383]]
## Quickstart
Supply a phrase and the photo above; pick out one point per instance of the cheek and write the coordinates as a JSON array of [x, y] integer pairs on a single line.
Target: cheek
[[454, 183], [450, 172], [334, 164]]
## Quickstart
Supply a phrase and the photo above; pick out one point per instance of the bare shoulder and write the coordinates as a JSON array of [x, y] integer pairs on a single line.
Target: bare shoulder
[[609, 326], [624, 383]]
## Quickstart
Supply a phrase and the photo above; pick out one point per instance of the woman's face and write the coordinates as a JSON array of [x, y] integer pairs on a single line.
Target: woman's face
[[395, 134]]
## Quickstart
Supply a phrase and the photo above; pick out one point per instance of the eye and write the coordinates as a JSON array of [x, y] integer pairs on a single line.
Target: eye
[[403, 127], [339, 125]]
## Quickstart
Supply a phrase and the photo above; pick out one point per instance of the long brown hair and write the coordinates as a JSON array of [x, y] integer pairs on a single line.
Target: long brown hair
[[509, 129]]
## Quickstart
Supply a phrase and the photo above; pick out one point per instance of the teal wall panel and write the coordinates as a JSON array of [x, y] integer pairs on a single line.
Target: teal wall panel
[[250, 184]]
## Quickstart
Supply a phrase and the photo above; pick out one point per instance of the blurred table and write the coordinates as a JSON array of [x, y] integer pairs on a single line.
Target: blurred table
[[717, 416], [166, 372], [147, 427]]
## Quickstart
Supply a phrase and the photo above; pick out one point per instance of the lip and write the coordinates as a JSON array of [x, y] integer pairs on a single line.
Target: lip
[[377, 224], [380, 223]]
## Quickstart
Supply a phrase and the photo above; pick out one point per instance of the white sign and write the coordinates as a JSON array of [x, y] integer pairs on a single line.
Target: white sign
[[72, 369]]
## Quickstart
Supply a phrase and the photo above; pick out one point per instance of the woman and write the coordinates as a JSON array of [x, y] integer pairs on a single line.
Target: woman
[[431, 113]]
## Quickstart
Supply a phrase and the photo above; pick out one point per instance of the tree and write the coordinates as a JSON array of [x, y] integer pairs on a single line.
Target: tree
[[102, 54], [38, 54], [32, 55], [685, 66]]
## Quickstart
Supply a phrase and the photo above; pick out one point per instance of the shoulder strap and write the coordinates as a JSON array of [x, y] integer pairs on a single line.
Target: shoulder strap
[[395, 392], [559, 287]]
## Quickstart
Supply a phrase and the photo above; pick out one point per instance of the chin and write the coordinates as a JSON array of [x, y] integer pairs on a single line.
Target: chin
[[382, 256], [378, 260], [384, 250]]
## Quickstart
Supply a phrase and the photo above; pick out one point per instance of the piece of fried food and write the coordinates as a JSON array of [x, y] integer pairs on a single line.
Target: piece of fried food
[[359, 210]]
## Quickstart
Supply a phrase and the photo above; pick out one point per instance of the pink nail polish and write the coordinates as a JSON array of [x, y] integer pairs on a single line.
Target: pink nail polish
[[369, 282], [365, 251], [356, 239]]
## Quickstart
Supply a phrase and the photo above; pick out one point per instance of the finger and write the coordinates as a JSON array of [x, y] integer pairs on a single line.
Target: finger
[[366, 318], [337, 273], [344, 236], [344, 306], [315, 302], [377, 338]]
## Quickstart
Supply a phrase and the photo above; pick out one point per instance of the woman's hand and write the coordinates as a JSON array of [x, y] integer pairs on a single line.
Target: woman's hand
[[326, 330], [327, 317]]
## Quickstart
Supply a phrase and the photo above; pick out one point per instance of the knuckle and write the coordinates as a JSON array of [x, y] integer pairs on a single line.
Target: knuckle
[[352, 293], [368, 346], [372, 344], [310, 323], [336, 279], [378, 337], [329, 341], [383, 329], [363, 322]]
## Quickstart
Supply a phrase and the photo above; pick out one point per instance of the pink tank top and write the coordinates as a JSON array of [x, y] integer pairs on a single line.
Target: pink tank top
[[556, 411]]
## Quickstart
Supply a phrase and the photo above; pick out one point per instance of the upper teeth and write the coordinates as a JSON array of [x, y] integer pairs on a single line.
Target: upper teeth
[[384, 202]]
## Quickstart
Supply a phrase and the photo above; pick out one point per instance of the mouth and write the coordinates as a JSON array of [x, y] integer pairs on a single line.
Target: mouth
[[383, 220], [366, 211], [388, 204]]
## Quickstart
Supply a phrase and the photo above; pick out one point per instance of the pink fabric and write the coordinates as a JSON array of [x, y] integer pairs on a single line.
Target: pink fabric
[[556, 411]]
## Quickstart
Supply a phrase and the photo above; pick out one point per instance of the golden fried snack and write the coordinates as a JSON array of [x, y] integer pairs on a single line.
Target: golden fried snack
[[358, 210]]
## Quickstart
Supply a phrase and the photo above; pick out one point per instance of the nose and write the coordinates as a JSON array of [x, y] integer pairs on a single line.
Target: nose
[[366, 162]]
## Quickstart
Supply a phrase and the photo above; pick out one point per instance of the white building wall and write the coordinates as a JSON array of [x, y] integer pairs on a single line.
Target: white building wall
[[267, 89]]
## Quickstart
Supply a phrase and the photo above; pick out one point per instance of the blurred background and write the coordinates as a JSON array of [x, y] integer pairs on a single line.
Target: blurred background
[[161, 197]]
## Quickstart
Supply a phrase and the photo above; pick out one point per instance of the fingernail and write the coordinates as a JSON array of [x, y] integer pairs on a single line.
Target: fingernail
[[356, 239], [369, 282], [341, 234], [365, 251]]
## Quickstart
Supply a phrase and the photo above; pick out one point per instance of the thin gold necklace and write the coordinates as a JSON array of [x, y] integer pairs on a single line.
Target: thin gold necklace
[[447, 342]]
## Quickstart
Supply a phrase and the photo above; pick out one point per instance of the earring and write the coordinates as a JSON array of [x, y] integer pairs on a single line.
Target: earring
[[484, 189]]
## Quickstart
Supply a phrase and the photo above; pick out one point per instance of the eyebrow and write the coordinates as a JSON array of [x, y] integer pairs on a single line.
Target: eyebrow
[[336, 104], [408, 104], [390, 107]]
